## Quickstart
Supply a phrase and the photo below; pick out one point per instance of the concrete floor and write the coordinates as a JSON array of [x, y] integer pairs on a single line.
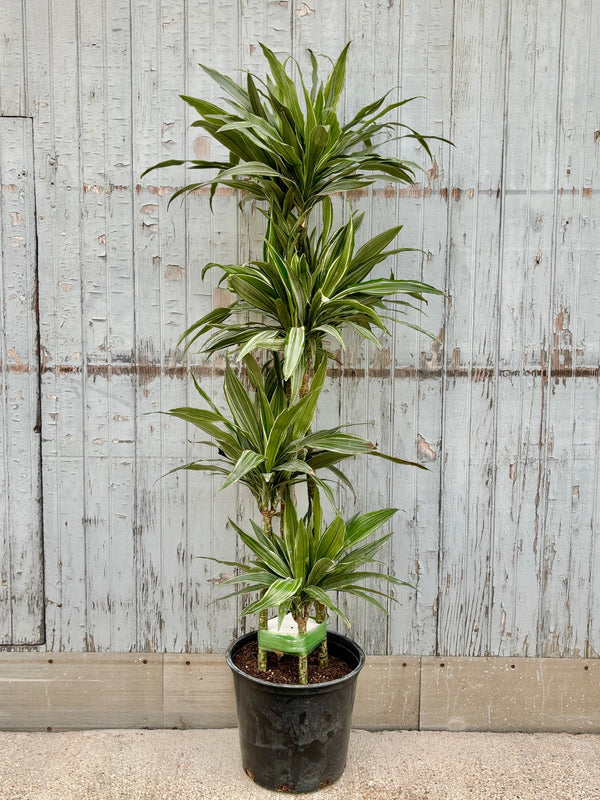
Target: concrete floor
[[205, 765]]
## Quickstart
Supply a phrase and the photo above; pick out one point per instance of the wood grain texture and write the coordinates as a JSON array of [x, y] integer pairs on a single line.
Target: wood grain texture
[[21, 559], [519, 694], [499, 536], [79, 691]]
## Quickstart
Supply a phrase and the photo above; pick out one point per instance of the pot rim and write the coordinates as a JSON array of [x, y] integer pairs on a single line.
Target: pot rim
[[296, 687]]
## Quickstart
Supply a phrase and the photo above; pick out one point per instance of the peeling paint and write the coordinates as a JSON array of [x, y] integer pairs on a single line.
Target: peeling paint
[[425, 450], [202, 146], [222, 297], [433, 173], [305, 9], [380, 365], [174, 272]]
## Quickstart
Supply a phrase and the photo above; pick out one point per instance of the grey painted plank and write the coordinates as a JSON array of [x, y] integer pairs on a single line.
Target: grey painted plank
[[53, 97], [107, 278], [579, 95], [21, 609], [533, 96], [203, 537], [13, 100], [424, 71], [478, 69], [218, 238], [159, 77], [518, 516]]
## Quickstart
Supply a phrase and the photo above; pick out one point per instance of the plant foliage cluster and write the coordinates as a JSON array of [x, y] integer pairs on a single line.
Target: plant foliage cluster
[[292, 308]]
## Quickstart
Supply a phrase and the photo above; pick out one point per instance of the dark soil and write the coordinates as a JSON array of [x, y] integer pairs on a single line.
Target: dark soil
[[285, 669]]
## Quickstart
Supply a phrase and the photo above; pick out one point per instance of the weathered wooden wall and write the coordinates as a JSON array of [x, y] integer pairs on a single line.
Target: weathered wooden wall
[[499, 535]]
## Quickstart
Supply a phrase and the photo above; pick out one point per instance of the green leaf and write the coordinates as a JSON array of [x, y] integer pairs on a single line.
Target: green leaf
[[254, 97], [294, 466], [301, 553], [381, 287], [332, 540], [245, 463], [263, 340], [254, 576], [335, 82], [322, 597], [374, 246], [203, 394], [287, 425], [242, 408], [265, 550], [363, 592], [339, 442], [395, 460], [360, 527], [320, 568], [205, 420], [279, 591], [172, 162], [333, 332], [362, 555], [294, 349], [195, 465], [230, 86], [213, 318]]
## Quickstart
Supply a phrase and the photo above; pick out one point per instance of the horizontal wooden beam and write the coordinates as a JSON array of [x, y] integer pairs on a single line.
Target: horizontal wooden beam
[[76, 691]]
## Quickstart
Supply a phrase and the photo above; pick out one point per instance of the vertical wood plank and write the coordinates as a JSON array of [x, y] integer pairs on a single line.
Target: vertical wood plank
[[21, 586], [417, 402], [108, 330], [13, 101], [53, 99], [158, 31], [472, 332]]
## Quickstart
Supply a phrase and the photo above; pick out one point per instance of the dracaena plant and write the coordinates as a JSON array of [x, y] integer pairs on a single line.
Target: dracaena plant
[[265, 442], [306, 304], [288, 147], [310, 563], [289, 151]]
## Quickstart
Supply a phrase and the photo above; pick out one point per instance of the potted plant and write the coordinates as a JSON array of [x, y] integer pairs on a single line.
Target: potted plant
[[290, 152]]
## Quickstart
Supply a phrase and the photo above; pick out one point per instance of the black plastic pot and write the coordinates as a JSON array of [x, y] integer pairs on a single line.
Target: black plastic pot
[[295, 738]]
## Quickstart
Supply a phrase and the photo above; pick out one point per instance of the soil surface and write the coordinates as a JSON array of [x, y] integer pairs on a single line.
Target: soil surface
[[285, 669]]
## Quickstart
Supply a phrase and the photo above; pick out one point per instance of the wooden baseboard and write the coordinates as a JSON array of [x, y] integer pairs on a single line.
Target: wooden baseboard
[[74, 691]]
